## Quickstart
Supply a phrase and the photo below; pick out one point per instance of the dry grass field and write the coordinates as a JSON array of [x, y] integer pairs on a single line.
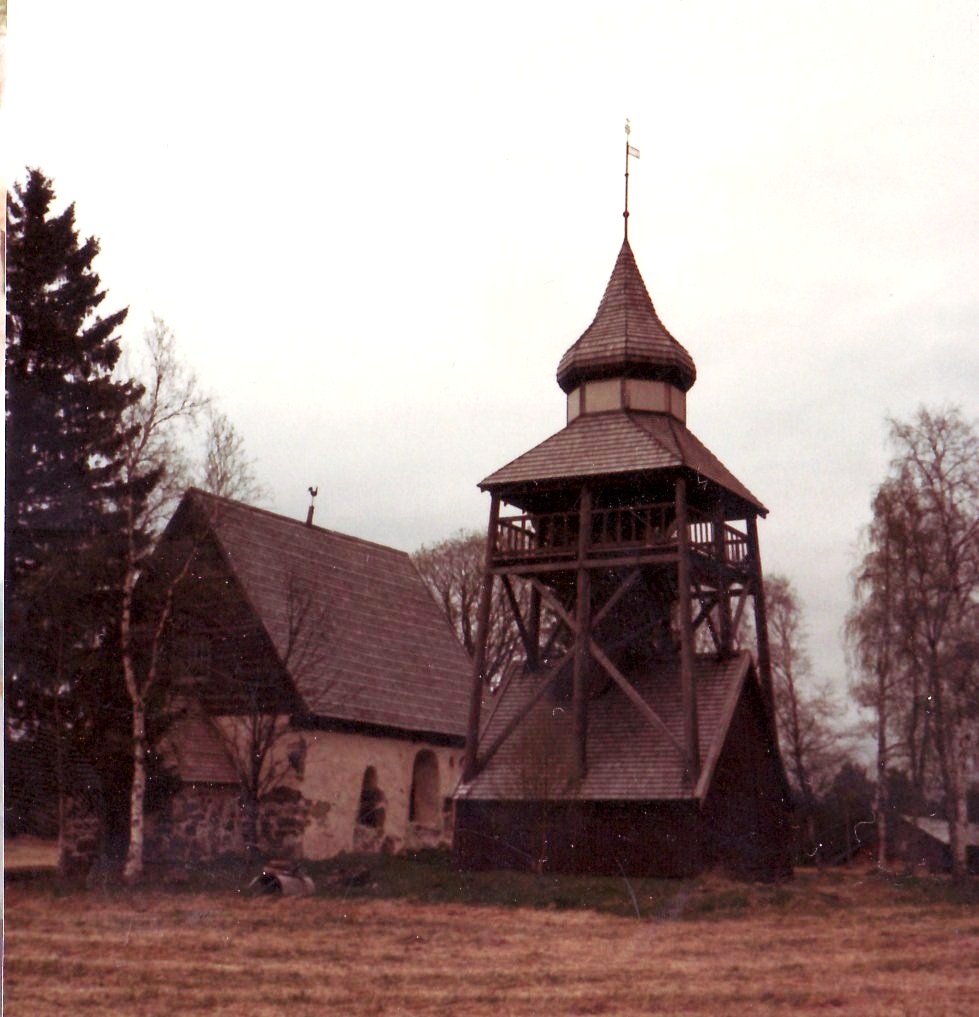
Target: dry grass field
[[29, 853], [832, 943]]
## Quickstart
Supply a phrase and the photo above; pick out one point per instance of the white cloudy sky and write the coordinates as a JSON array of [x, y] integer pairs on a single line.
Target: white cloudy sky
[[376, 227]]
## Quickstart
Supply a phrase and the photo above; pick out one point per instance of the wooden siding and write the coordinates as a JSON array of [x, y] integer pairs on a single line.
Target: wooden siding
[[656, 839], [747, 810]]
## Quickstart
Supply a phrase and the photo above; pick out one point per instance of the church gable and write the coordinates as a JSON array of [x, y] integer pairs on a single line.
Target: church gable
[[348, 623]]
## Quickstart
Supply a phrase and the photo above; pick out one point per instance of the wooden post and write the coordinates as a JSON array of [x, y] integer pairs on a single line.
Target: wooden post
[[723, 594], [761, 619], [533, 630], [482, 633], [582, 656], [688, 692]]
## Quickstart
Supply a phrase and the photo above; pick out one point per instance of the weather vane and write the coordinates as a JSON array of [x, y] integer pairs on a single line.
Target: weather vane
[[313, 492], [634, 152]]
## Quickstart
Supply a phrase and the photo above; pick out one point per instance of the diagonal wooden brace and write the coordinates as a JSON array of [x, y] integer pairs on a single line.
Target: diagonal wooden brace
[[517, 720], [637, 700]]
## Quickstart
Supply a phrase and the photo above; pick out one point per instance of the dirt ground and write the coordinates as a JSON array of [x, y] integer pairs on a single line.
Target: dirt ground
[[853, 950]]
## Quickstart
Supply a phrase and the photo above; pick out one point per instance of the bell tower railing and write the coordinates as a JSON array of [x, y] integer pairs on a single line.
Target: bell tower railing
[[553, 536]]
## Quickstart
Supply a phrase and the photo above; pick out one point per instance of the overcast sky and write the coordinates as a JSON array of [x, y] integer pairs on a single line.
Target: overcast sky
[[375, 228]]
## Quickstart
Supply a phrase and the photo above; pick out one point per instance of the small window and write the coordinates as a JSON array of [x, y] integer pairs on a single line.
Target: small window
[[425, 805], [297, 758], [371, 810]]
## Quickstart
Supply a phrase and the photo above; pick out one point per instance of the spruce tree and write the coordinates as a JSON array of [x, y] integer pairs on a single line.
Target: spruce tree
[[64, 435], [63, 408]]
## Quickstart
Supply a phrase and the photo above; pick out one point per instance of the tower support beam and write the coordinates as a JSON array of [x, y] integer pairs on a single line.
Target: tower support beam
[[482, 633], [579, 695], [688, 692], [761, 619], [723, 594]]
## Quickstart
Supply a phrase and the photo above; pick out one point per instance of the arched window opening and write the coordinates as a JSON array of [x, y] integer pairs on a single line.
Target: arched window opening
[[371, 810], [424, 807]]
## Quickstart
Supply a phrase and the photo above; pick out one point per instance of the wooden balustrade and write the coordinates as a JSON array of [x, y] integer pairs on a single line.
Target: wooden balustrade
[[555, 534]]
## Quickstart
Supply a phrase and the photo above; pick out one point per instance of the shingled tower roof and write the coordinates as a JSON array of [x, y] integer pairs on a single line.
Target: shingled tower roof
[[626, 339]]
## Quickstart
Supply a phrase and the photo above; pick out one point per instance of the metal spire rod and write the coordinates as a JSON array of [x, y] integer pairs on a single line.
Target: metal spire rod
[[634, 152]]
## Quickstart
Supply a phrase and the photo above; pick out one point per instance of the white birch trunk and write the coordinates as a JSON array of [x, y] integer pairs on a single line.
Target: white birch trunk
[[133, 870]]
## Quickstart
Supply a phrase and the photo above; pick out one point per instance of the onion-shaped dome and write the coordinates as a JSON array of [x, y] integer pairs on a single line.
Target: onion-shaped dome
[[626, 339]]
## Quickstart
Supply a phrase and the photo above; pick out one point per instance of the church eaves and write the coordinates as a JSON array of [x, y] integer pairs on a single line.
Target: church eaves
[[626, 339]]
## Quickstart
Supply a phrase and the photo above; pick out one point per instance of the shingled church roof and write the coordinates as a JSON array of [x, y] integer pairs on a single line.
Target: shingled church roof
[[626, 338], [377, 649], [628, 759], [619, 443]]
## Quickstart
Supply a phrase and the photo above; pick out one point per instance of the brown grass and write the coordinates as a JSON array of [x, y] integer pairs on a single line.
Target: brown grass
[[847, 945], [29, 853]]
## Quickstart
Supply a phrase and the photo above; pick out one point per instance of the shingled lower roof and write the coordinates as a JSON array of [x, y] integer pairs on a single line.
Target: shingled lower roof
[[626, 337], [628, 759], [618, 442], [356, 627], [196, 751]]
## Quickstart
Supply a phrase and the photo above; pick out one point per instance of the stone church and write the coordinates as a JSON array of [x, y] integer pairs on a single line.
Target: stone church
[[328, 656]]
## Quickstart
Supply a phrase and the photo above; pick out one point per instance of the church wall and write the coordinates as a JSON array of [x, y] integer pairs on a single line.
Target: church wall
[[335, 765], [313, 811], [198, 824]]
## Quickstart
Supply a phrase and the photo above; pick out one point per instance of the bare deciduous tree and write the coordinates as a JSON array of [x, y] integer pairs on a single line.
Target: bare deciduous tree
[[227, 470], [544, 772], [915, 622], [870, 634], [805, 709], [255, 735], [453, 571], [156, 471]]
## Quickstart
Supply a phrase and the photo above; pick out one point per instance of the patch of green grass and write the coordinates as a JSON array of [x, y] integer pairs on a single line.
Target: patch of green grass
[[934, 890], [431, 877]]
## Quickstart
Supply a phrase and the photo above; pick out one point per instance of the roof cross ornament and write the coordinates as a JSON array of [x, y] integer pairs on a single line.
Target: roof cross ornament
[[634, 152]]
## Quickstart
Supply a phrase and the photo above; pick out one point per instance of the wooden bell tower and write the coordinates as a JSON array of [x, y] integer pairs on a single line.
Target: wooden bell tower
[[628, 554]]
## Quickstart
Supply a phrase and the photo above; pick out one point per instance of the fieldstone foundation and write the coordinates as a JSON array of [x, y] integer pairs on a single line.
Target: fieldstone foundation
[[283, 817], [199, 824], [80, 842]]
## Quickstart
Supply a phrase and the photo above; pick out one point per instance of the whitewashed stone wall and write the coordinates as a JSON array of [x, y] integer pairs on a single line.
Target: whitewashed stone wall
[[335, 763], [313, 814]]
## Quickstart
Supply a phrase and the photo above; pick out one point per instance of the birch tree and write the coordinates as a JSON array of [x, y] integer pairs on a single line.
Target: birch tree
[[871, 636], [917, 606], [155, 472]]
